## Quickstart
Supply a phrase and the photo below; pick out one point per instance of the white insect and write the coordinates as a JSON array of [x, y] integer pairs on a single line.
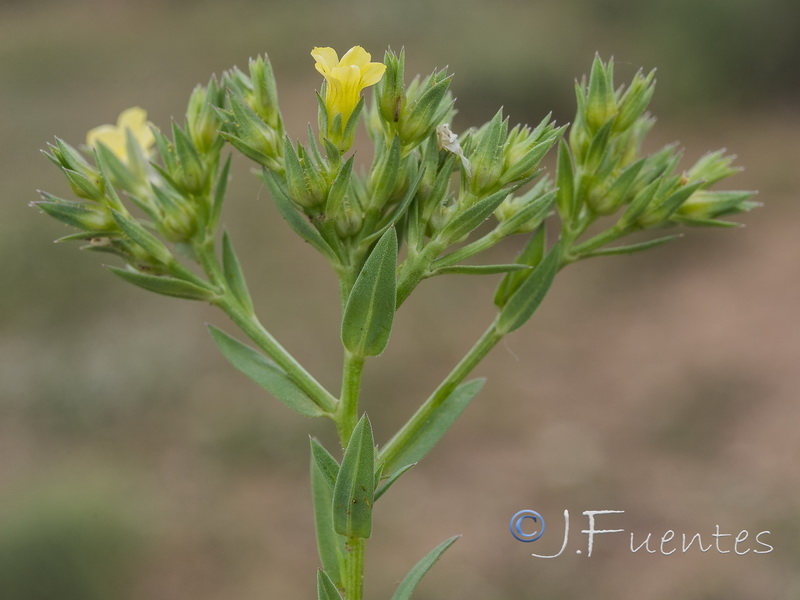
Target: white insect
[[449, 141]]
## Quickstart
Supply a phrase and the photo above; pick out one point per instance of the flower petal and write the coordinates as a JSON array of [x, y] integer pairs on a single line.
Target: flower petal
[[356, 56], [372, 73], [110, 136], [326, 59]]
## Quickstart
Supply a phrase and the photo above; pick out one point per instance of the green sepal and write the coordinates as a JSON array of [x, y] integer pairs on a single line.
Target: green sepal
[[470, 219], [480, 269], [380, 491], [409, 583], [350, 127], [246, 149], [639, 204], [167, 286], [427, 436], [700, 222], [120, 173], [620, 190], [219, 195], [331, 545], [633, 248], [192, 173], [673, 202], [522, 304], [328, 466], [369, 312], [83, 186], [265, 373], [234, 276], [385, 172], [77, 214], [597, 149], [535, 212], [565, 182], [150, 243], [322, 112], [326, 589], [296, 221], [353, 494], [398, 212], [339, 188]]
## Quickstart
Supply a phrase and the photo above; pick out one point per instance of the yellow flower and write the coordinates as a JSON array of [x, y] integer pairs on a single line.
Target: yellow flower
[[114, 136], [345, 79]]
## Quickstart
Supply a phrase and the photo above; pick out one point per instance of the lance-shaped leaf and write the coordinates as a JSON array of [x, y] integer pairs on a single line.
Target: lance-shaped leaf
[[390, 481], [331, 546], [368, 315], [406, 587], [168, 286], [529, 295], [530, 256], [325, 462], [426, 436], [265, 373], [353, 494], [326, 589]]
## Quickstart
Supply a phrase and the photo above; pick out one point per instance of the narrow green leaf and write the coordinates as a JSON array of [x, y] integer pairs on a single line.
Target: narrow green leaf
[[530, 293], [326, 589], [234, 276], [368, 315], [353, 494], [530, 256], [380, 491], [265, 373], [436, 426], [325, 462], [406, 587], [633, 248], [295, 220], [167, 286], [331, 545], [480, 269]]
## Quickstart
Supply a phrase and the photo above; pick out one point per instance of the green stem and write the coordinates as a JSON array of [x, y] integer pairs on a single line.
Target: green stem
[[354, 569], [410, 430], [347, 413]]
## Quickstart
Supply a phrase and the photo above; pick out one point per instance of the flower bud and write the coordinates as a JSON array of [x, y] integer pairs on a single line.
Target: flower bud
[[601, 104]]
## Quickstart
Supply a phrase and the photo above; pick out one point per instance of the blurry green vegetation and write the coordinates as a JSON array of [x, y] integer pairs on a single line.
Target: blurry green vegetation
[[67, 543]]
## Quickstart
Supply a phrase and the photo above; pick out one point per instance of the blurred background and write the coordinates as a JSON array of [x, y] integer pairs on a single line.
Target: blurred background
[[135, 463]]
